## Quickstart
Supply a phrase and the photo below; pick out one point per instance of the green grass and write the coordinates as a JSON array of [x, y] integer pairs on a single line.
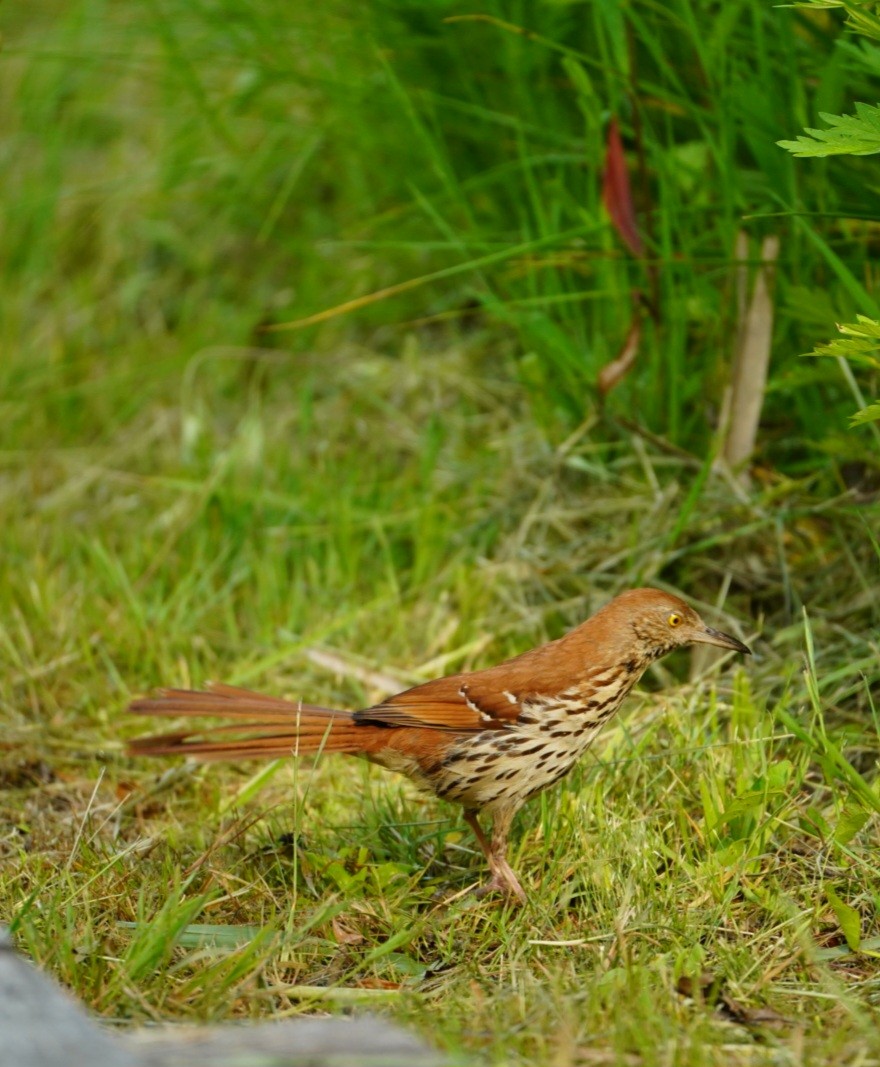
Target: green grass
[[703, 833], [425, 485]]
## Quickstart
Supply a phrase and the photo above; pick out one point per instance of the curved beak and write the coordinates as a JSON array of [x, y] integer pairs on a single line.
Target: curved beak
[[708, 636]]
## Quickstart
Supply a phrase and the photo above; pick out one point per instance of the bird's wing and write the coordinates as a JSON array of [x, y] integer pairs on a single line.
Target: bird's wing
[[468, 702], [565, 669]]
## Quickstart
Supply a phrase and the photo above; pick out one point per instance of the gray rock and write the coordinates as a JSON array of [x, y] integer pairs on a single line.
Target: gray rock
[[43, 1026], [363, 1042]]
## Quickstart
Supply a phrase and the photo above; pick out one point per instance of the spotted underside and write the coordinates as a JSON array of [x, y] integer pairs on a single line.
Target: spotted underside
[[510, 760]]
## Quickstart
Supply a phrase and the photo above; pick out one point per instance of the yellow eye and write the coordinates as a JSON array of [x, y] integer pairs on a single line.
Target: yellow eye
[[674, 619]]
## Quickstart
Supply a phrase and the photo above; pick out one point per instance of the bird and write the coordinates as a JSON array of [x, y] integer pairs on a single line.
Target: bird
[[488, 740]]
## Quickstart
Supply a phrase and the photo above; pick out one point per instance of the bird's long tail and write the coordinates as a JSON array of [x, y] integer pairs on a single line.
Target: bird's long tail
[[262, 727]]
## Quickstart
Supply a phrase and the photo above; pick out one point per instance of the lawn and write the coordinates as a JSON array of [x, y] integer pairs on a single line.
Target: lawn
[[198, 485]]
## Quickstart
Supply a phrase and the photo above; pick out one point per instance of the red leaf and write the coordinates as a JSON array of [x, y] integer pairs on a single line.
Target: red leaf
[[616, 194]]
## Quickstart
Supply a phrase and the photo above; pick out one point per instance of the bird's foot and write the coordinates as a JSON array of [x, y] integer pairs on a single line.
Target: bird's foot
[[505, 883]]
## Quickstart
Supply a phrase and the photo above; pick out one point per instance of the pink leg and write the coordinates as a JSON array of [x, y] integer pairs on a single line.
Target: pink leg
[[503, 878]]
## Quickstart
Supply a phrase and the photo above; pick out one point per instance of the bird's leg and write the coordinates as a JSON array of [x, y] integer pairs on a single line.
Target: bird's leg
[[503, 878]]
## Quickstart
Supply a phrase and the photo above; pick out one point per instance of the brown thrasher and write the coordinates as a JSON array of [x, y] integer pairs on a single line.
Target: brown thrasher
[[489, 740]]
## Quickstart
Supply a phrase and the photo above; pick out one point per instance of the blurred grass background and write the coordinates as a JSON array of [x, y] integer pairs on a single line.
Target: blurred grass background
[[196, 485], [189, 173]]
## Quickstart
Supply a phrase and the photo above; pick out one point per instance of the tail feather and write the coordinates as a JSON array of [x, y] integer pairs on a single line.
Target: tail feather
[[228, 701], [267, 727]]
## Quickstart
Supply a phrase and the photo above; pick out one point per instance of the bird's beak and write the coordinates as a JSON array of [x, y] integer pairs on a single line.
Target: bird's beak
[[708, 636]]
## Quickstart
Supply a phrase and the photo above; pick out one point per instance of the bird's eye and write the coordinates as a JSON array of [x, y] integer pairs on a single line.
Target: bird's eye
[[674, 619]]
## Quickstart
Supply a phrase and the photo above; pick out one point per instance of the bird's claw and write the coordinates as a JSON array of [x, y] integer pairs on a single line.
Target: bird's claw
[[505, 885]]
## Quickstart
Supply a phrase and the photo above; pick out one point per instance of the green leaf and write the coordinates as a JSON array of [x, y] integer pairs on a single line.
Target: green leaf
[[849, 919], [730, 855], [403, 937], [860, 342], [867, 947], [746, 804], [852, 819], [200, 935], [864, 22], [582, 83], [861, 345], [869, 414], [712, 804], [851, 135], [834, 764], [345, 881], [778, 775], [813, 821]]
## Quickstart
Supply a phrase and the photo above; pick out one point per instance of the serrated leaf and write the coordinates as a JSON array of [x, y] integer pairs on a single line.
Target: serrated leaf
[[852, 135], [864, 22], [849, 919], [856, 351], [869, 414], [861, 345], [860, 342], [862, 327]]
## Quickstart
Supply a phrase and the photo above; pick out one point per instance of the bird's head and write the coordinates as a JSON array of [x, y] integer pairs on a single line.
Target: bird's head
[[661, 622]]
